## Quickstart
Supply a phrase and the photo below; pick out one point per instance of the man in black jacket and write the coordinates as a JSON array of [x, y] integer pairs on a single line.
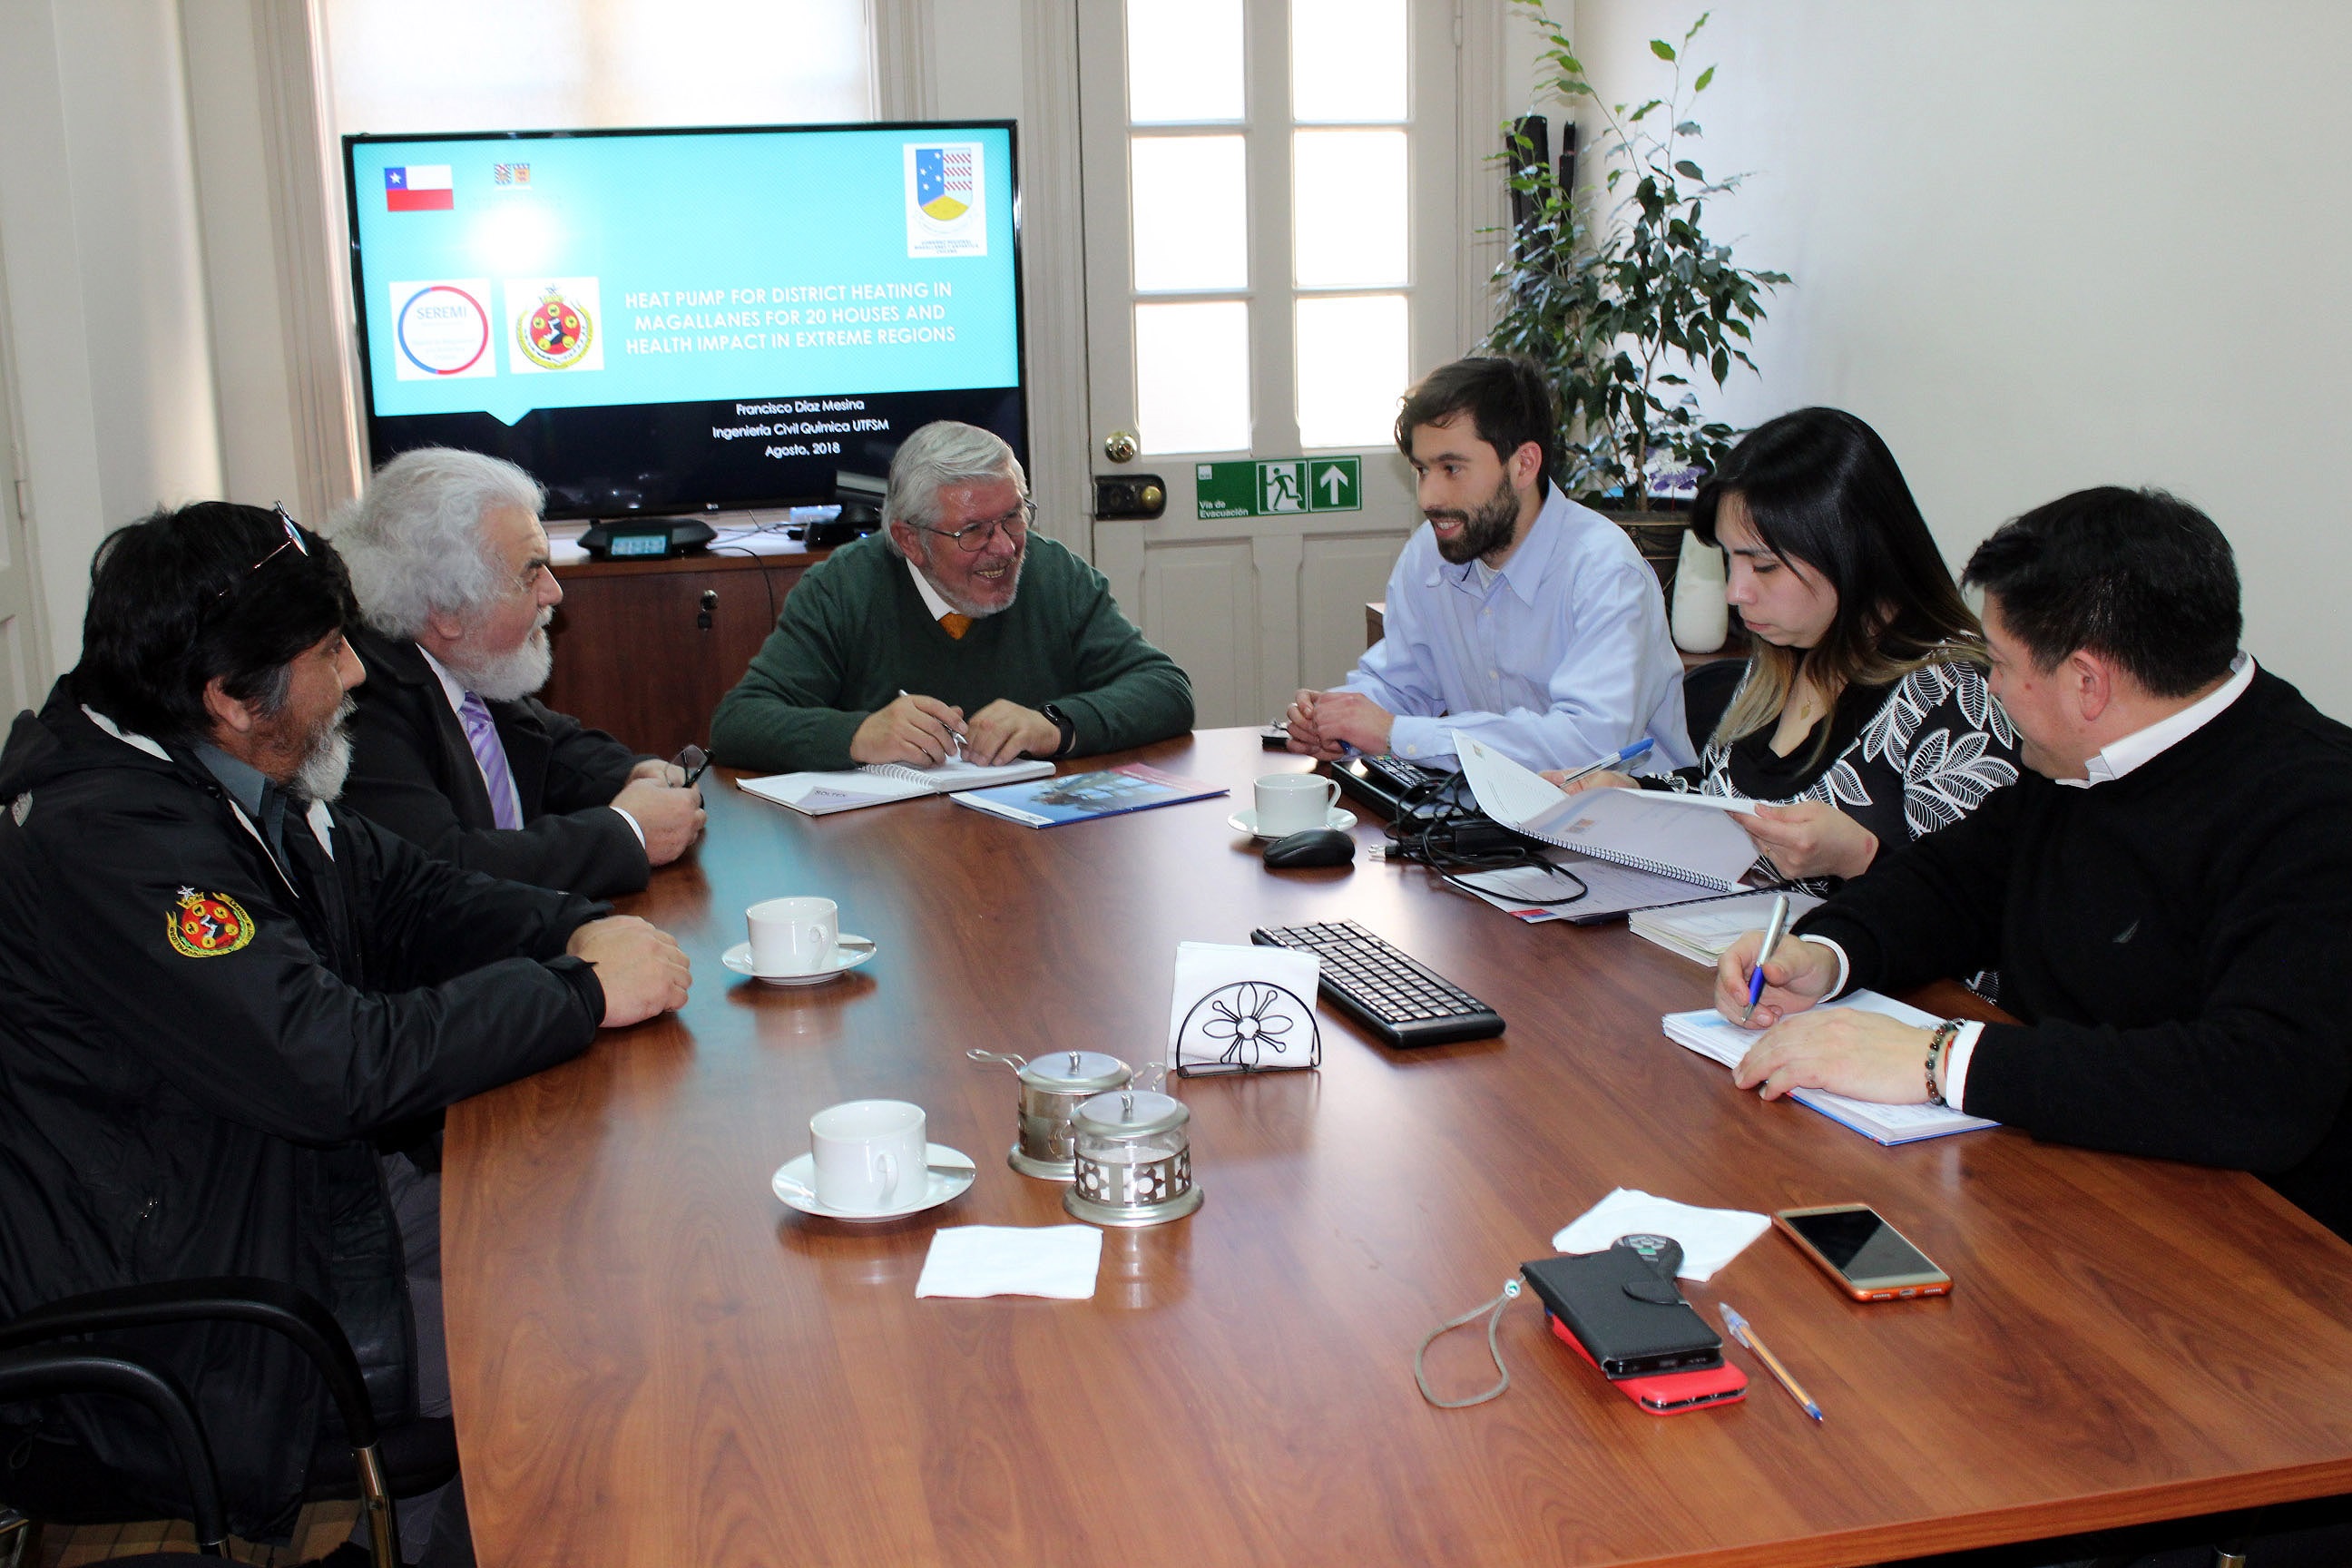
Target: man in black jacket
[[223, 999], [2168, 894], [449, 749]]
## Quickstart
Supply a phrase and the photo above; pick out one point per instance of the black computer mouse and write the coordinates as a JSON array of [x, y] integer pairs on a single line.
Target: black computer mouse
[[1316, 846]]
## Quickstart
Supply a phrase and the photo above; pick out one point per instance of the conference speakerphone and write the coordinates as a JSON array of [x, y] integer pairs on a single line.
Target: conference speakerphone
[[1397, 997], [644, 539]]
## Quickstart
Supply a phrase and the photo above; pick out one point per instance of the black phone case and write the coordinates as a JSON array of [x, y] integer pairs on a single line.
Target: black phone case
[[1627, 1337]]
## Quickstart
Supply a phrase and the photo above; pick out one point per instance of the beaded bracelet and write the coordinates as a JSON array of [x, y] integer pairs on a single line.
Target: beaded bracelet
[[1946, 1032]]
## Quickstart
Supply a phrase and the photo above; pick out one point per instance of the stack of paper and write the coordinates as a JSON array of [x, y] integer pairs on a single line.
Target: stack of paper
[[1691, 836], [1701, 931], [1710, 1034]]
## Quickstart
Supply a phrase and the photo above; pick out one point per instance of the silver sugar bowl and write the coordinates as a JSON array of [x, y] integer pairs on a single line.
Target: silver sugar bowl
[[1052, 1087], [1133, 1154]]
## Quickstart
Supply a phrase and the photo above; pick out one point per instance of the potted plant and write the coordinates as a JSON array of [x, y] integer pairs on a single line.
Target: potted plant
[[1626, 315]]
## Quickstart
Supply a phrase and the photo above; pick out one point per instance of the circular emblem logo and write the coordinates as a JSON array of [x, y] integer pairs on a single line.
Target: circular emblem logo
[[557, 334], [207, 925], [443, 329]]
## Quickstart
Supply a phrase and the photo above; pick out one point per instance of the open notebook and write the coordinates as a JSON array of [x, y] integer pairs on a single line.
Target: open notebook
[[1711, 1034], [1691, 836], [878, 783]]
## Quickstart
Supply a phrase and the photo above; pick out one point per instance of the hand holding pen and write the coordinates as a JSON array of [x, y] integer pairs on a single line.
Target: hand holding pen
[[1607, 766], [1775, 929]]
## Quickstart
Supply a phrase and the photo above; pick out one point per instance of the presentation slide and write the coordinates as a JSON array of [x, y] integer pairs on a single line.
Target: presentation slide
[[791, 274]]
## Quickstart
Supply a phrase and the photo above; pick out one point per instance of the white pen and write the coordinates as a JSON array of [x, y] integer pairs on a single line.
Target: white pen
[[955, 742]]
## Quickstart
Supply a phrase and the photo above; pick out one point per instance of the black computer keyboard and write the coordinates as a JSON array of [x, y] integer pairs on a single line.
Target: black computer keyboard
[[1402, 1000], [1400, 790]]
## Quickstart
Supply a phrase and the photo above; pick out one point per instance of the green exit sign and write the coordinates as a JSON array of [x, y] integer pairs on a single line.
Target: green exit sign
[[1280, 486]]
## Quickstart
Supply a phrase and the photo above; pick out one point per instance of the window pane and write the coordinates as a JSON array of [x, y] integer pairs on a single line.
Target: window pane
[[1346, 60], [1191, 376], [1348, 201], [566, 64], [1190, 198], [1183, 60], [1351, 369]]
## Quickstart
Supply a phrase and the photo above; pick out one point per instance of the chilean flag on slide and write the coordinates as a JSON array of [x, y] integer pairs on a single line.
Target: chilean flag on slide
[[419, 187]]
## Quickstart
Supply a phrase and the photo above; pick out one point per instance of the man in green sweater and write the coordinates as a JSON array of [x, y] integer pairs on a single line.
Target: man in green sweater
[[954, 628]]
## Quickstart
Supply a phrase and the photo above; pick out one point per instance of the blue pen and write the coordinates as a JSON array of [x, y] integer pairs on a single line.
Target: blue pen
[[1774, 930], [1637, 749]]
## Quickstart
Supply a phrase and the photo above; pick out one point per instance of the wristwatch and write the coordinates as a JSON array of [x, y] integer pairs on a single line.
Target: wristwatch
[[1061, 722]]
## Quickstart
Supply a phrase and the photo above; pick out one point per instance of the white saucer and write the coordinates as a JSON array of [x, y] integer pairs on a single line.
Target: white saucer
[[795, 1183], [847, 955], [1246, 821]]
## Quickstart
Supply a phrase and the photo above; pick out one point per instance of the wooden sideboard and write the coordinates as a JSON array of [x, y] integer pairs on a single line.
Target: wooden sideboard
[[632, 653]]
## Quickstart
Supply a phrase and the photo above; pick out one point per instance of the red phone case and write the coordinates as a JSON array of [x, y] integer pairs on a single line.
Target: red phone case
[[1669, 1392]]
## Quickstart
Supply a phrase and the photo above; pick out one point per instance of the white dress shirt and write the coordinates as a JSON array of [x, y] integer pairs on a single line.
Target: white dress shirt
[[1557, 658]]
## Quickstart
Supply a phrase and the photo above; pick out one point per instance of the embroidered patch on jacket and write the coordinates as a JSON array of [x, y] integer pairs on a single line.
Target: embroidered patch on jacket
[[207, 925]]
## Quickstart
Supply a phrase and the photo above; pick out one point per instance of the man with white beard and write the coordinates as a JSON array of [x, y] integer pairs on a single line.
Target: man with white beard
[[449, 748], [231, 1012]]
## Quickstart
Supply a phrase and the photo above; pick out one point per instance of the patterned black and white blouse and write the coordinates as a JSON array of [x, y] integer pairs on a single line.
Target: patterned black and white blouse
[[1903, 761]]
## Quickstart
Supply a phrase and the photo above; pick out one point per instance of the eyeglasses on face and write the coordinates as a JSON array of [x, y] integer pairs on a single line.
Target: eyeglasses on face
[[974, 537], [293, 541]]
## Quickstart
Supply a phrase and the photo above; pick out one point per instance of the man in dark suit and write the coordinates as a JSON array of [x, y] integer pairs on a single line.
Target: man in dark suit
[[449, 749]]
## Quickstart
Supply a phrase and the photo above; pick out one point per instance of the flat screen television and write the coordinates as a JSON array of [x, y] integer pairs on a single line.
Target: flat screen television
[[683, 321]]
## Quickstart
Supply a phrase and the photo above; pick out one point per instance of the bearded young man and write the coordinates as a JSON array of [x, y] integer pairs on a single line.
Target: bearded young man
[[231, 1012], [1516, 616], [450, 749], [955, 627]]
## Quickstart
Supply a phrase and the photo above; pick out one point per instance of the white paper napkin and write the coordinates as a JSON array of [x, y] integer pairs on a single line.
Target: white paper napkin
[[1711, 1237], [1208, 968], [1057, 1260]]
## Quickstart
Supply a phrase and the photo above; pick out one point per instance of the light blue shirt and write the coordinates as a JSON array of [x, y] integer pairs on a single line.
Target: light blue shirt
[[1559, 659]]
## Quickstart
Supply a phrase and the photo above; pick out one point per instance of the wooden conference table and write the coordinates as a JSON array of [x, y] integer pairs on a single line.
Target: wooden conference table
[[657, 1362]]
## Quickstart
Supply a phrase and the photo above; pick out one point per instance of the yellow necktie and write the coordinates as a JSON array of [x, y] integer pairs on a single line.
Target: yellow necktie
[[955, 625]]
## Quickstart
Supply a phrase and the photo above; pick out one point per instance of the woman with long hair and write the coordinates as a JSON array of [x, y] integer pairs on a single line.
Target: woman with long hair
[[1863, 715]]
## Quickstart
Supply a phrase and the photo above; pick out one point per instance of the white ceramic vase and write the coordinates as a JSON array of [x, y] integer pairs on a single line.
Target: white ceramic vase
[[1700, 618]]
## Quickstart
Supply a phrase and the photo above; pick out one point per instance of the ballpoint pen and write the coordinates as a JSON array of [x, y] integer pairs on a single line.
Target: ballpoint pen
[[1627, 755], [1774, 930], [955, 747], [1747, 1336]]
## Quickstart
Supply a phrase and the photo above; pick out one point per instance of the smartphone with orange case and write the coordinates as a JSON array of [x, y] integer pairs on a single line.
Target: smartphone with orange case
[[1667, 1392], [1868, 1258]]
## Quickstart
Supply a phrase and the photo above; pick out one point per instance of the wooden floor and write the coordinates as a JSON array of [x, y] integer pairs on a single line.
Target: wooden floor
[[318, 1530]]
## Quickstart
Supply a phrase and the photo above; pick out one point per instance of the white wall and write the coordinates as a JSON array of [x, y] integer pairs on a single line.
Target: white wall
[[2042, 247]]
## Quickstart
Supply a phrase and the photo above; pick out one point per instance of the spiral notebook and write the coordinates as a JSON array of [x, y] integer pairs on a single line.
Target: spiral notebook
[[879, 784], [1691, 836]]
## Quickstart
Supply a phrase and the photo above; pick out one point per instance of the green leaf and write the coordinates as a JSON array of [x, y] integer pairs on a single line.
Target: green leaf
[[1704, 77], [1663, 49], [1688, 128], [1687, 168]]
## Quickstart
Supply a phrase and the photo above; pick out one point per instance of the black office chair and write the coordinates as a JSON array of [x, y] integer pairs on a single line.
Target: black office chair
[[1708, 692], [378, 1463], [38, 1375]]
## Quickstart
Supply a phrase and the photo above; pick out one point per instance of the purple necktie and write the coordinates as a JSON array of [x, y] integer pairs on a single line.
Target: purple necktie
[[482, 734]]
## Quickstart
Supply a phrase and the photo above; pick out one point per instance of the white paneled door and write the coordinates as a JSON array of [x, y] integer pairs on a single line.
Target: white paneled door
[[22, 655], [1261, 285]]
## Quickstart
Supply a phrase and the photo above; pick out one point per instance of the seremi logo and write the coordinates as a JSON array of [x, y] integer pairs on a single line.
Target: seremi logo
[[947, 199], [555, 324], [418, 187], [441, 330]]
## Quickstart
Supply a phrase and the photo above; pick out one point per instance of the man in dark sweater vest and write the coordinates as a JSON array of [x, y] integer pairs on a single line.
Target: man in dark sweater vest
[[955, 627], [2168, 895]]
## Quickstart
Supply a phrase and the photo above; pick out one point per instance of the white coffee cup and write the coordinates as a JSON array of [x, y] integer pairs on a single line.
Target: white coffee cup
[[869, 1154], [792, 936], [1293, 802]]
